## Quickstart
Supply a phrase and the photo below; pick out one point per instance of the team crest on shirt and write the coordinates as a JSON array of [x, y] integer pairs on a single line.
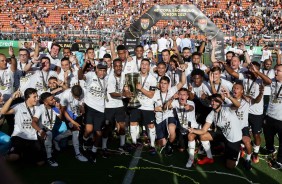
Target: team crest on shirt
[[202, 23], [145, 23]]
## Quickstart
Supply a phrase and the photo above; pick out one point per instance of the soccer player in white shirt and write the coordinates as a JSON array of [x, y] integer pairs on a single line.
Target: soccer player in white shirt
[[115, 110], [216, 83], [184, 110], [164, 116], [145, 113], [72, 108], [273, 124], [45, 121], [53, 55], [269, 72], [242, 114], [24, 140], [39, 80], [68, 74], [227, 128], [7, 74], [252, 79], [94, 100], [199, 94], [139, 52], [128, 65]]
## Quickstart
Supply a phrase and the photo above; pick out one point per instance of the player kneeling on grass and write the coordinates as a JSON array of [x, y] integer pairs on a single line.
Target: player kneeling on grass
[[46, 121], [72, 109], [24, 142], [227, 128], [184, 110]]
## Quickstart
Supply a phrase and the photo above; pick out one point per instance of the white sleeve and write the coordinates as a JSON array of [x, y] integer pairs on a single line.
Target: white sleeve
[[210, 117], [38, 112], [64, 101], [174, 104], [111, 86]]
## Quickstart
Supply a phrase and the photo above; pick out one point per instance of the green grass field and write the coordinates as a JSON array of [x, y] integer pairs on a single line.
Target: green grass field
[[150, 169]]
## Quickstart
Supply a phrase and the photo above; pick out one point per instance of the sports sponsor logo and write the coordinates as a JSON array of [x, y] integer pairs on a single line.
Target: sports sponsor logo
[[145, 23], [202, 23]]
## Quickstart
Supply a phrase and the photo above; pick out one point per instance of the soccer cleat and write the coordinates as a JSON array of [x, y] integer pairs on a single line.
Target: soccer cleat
[[105, 153], [168, 150], [205, 160], [152, 150], [93, 156], [242, 152], [52, 162], [81, 158], [273, 164], [189, 163], [248, 165], [255, 158], [56, 145]]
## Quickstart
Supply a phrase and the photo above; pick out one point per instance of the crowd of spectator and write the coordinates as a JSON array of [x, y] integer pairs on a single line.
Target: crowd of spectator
[[258, 17]]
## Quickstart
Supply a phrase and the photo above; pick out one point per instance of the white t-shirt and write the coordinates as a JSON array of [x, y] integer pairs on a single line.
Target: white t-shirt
[[115, 84], [137, 62], [102, 52], [23, 119], [185, 116], [72, 104], [95, 93], [265, 55], [243, 113], [162, 44], [6, 83], [223, 84], [54, 61], [160, 99], [148, 84], [232, 79], [274, 107], [42, 114], [129, 67], [228, 122], [72, 77], [253, 88], [271, 74], [36, 81], [203, 88], [191, 67]]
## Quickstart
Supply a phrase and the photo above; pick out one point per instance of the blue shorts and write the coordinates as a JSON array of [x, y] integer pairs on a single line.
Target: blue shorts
[[161, 128]]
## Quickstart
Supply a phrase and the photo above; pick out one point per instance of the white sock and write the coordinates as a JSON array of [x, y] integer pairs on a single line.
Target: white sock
[[133, 133], [207, 148], [122, 140], [248, 157], [94, 149], [63, 135], [48, 144], [104, 143], [152, 135], [75, 142], [256, 148], [138, 132], [191, 146]]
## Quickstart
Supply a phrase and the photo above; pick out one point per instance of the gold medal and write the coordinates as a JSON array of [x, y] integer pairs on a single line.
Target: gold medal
[[275, 100], [44, 88], [3, 87]]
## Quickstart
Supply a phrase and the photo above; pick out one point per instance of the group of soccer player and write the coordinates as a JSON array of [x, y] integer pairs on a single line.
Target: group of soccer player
[[184, 104]]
